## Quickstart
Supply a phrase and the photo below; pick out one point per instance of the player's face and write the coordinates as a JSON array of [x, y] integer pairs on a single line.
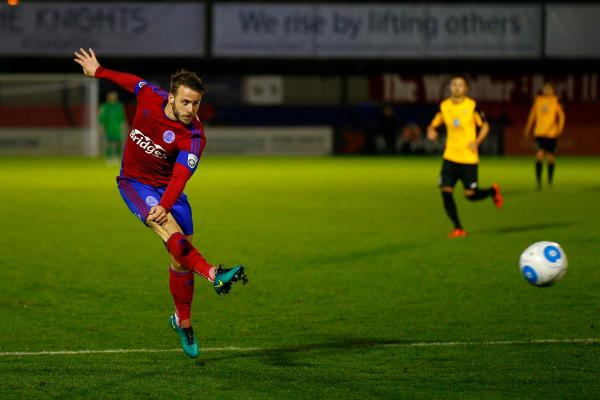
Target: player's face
[[548, 89], [112, 97], [185, 104], [458, 87]]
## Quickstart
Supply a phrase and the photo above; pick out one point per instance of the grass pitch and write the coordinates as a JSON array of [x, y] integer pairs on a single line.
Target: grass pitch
[[354, 291]]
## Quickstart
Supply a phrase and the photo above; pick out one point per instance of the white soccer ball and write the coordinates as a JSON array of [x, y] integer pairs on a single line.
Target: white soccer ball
[[543, 263]]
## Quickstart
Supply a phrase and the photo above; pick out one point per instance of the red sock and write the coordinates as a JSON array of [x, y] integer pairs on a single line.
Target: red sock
[[182, 290], [187, 255]]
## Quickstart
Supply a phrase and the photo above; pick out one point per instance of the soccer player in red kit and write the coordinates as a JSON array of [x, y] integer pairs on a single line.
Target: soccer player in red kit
[[161, 153]]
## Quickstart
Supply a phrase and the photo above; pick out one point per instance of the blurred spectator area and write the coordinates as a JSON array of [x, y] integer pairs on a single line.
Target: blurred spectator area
[[346, 103]]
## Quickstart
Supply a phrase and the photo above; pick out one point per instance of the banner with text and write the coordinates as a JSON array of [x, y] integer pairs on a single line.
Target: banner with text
[[377, 31], [121, 29], [502, 89]]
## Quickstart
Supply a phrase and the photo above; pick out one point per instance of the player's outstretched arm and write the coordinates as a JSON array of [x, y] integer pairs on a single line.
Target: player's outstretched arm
[[91, 67], [88, 61]]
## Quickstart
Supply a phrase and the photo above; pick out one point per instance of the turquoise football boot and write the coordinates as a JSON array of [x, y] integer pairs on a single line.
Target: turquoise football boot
[[225, 277], [186, 335]]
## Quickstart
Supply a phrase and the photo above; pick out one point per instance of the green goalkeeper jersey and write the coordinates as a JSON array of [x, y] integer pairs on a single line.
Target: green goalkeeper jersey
[[112, 117]]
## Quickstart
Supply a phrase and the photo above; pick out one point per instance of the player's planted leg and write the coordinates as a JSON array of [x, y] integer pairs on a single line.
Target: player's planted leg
[[181, 284], [450, 207], [186, 336]]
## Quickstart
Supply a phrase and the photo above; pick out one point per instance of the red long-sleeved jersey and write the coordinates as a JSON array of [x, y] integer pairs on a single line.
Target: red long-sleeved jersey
[[158, 151]]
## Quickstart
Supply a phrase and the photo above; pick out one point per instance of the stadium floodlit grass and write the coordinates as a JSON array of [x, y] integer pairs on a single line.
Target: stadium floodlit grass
[[355, 291]]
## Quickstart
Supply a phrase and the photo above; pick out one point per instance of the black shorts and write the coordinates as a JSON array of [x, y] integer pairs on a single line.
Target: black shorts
[[452, 172], [546, 144]]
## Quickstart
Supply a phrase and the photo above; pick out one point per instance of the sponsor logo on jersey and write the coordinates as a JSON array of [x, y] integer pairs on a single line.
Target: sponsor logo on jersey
[[147, 144], [192, 160], [456, 122], [151, 201], [169, 136]]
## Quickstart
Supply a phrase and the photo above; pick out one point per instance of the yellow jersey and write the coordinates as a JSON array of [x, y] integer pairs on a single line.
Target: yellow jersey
[[461, 120], [549, 116]]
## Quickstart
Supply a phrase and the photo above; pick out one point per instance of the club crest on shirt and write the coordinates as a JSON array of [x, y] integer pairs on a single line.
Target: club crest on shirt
[[151, 201], [192, 161], [169, 136], [456, 122]]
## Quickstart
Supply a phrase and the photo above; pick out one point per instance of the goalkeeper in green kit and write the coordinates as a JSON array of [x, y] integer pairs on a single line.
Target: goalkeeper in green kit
[[112, 118]]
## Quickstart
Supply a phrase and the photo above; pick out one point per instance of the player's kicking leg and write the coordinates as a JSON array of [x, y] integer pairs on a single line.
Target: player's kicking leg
[[188, 256]]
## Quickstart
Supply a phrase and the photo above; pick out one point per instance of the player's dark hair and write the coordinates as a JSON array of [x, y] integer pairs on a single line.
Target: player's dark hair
[[460, 76], [188, 79]]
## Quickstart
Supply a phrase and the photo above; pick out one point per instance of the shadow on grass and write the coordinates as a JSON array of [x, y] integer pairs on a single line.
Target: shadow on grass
[[361, 254], [285, 356], [593, 188], [527, 227], [519, 192]]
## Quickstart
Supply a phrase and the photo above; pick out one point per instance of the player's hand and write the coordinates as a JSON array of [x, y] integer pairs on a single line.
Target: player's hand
[[88, 61], [432, 134], [157, 214]]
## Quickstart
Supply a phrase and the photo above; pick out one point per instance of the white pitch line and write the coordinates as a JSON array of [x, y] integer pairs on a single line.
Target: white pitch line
[[108, 351], [495, 343], [258, 349]]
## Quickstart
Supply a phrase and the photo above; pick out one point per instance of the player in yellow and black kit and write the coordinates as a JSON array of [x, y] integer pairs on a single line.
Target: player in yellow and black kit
[[549, 119], [462, 116]]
